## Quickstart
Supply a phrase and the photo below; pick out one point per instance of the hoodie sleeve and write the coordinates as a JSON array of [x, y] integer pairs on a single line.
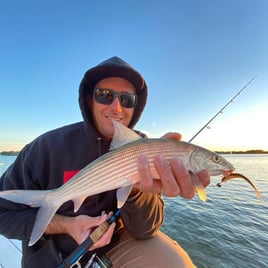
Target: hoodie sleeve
[[143, 216]]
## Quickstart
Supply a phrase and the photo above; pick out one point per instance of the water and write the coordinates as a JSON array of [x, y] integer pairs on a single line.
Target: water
[[10, 250], [229, 230], [5, 162]]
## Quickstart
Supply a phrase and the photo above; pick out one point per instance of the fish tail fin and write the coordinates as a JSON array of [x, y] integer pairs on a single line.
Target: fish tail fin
[[201, 191], [35, 198], [43, 218]]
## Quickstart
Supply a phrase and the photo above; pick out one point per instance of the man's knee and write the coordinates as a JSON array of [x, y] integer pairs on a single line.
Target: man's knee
[[159, 251]]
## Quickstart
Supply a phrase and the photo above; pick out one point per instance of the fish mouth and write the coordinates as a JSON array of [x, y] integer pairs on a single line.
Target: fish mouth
[[227, 173]]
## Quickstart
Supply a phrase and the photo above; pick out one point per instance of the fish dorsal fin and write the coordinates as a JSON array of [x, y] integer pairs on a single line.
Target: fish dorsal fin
[[122, 135]]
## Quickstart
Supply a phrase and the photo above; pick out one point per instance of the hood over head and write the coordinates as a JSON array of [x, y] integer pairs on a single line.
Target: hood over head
[[113, 67]]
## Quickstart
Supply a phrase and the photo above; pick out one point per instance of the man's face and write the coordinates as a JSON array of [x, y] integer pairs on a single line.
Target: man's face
[[104, 113]]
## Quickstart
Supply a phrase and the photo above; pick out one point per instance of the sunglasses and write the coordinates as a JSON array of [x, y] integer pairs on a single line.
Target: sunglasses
[[106, 96]]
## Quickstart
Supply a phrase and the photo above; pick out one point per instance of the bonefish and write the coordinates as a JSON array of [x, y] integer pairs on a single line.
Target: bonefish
[[116, 169]]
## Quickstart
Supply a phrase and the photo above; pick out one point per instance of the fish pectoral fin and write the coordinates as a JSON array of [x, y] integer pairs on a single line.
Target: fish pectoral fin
[[122, 195], [78, 202], [200, 189]]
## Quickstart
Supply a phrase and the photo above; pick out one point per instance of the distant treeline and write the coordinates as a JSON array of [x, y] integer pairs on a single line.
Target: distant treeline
[[9, 153], [244, 152]]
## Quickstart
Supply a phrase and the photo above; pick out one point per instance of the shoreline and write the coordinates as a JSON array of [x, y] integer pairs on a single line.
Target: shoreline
[[243, 152], [10, 153], [15, 153]]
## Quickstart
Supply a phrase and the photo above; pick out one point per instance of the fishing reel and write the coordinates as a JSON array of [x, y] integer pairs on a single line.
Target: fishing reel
[[99, 262]]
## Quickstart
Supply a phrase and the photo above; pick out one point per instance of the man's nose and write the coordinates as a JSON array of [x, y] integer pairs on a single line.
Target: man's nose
[[116, 105]]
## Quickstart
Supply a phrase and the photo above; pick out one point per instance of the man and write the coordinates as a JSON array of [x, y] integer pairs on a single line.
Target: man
[[111, 90]]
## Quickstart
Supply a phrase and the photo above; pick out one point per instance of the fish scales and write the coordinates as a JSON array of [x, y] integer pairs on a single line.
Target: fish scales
[[116, 169], [124, 159], [106, 168]]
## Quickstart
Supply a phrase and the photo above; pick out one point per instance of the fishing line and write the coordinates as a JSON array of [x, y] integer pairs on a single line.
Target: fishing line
[[205, 126], [221, 110]]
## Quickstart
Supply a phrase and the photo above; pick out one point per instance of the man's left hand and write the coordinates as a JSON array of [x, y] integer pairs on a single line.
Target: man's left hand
[[175, 179]]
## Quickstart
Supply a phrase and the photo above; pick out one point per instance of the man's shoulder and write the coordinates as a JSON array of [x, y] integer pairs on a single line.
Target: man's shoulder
[[66, 129], [63, 134]]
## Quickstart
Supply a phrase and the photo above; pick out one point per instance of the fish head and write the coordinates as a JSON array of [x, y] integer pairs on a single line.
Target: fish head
[[214, 163]]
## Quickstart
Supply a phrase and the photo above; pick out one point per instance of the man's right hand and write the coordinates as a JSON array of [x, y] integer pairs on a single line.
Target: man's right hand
[[80, 227]]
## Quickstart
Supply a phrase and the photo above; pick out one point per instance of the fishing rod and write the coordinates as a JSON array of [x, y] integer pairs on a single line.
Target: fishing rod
[[221, 110], [73, 260]]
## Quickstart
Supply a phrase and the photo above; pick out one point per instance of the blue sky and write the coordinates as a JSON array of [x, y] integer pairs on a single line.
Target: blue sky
[[195, 56]]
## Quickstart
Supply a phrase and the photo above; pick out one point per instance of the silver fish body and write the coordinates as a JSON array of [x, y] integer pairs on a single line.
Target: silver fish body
[[118, 168], [114, 170]]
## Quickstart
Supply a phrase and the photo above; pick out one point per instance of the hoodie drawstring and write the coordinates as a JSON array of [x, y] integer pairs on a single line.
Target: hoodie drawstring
[[99, 145]]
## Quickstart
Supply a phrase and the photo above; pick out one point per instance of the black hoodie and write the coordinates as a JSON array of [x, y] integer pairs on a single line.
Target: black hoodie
[[54, 157]]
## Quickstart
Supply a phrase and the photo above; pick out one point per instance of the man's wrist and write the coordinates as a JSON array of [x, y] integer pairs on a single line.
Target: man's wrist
[[58, 225], [135, 193]]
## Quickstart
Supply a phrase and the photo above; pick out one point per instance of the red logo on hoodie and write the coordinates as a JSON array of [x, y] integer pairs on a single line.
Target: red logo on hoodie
[[68, 175]]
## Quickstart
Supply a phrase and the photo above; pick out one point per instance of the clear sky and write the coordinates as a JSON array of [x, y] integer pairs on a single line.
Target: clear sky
[[195, 56]]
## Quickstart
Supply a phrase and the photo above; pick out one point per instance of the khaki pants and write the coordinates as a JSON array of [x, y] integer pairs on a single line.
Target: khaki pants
[[157, 252]]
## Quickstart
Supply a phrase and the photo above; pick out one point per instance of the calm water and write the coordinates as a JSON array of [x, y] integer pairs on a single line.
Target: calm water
[[229, 230]]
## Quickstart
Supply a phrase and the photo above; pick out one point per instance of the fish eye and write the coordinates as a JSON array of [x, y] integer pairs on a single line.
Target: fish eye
[[216, 158]]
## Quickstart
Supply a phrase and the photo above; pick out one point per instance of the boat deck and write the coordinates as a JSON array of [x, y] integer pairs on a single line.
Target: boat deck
[[10, 253]]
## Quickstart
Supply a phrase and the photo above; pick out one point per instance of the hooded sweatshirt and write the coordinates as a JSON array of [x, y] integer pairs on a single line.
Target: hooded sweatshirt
[[54, 157]]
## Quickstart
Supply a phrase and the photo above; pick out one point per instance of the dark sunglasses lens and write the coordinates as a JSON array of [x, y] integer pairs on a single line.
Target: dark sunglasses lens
[[104, 96], [127, 100]]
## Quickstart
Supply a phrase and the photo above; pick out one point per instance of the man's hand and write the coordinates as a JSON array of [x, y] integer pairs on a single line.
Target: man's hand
[[175, 178], [80, 227]]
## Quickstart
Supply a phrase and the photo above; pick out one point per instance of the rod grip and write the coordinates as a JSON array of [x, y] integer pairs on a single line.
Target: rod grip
[[98, 232]]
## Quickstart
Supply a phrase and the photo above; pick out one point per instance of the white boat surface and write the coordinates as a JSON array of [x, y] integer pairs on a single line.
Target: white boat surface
[[10, 253]]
